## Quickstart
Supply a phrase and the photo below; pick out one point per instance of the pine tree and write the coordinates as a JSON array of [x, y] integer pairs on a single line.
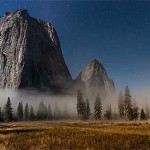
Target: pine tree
[[8, 115], [135, 112], [39, 115], [98, 108], [108, 114], [147, 112], [2, 114], [15, 118], [42, 113], [88, 110], [32, 116], [81, 106], [83, 110], [128, 104], [121, 104], [50, 116], [20, 111], [45, 111], [26, 112], [79, 103], [142, 115]]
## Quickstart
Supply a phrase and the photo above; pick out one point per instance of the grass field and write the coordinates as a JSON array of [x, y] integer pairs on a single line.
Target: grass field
[[82, 136]]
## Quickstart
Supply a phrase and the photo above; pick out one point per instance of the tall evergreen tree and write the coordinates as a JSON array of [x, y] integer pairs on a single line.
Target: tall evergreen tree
[[128, 104], [2, 114], [135, 112], [79, 103], [83, 115], [45, 111], [20, 111], [26, 112], [15, 118], [39, 115], [88, 110], [121, 104], [147, 111], [81, 106], [42, 113], [98, 108], [8, 114], [108, 113], [32, 116], [142, 115]]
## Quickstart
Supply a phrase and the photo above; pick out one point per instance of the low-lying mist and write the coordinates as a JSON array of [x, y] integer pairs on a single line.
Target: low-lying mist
[[34, 97]]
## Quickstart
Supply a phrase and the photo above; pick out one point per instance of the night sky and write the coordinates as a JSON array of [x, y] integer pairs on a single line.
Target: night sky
[[117, 33]]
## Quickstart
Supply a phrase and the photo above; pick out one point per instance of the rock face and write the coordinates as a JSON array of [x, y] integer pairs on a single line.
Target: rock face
[[94, 80], [30, 53]]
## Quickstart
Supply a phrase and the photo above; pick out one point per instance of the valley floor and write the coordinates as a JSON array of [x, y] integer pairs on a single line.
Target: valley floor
[[75, 135]]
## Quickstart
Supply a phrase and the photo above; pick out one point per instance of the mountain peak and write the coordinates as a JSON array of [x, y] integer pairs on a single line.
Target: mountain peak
[[94, 61], [23, 11], [95, 79], [17, 12], [94, 67]]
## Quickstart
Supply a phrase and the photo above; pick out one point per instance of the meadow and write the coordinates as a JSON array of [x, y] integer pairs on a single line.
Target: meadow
[[75, 135]]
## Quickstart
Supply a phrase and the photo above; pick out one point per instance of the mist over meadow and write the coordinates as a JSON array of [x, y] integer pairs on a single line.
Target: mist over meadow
[[139, 97]]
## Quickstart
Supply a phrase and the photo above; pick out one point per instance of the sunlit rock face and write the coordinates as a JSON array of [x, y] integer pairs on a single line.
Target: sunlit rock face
[[94, 80], [30, 53]]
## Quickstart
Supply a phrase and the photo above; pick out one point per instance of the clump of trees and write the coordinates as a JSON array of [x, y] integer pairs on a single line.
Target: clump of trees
[[98, 108], [84, 110], [126, 109], [42, 112], [27, 113], [108, 113], [83, 107], [129, 111]]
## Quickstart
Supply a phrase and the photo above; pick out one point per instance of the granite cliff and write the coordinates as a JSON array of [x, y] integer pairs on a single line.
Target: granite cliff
[[30, 53]]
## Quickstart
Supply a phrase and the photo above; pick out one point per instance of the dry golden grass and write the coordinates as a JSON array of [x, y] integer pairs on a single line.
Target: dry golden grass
[[64, 136]]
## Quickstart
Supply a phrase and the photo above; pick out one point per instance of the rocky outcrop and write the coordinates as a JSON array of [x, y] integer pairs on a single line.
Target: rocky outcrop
[[94, 80], [30, 53]]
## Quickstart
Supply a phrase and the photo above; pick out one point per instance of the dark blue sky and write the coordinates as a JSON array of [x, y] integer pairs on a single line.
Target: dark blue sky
[[117, 33]]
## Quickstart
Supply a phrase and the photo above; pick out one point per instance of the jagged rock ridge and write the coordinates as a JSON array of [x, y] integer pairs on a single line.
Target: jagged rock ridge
[[94, 80], [30, 53]]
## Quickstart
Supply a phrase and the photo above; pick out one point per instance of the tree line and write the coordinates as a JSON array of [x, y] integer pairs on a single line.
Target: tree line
[[27, 113], [126, 109], [83, 107], [129, 110]]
